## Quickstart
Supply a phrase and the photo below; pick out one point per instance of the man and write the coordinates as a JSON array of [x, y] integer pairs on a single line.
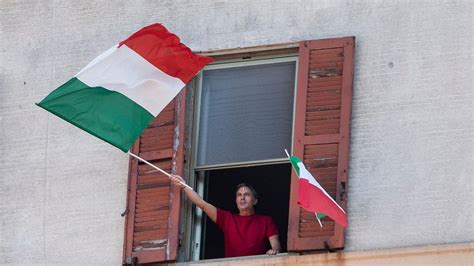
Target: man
[[246, 233]]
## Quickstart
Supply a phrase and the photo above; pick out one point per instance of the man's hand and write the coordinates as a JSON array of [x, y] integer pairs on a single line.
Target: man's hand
[[272, 252], [177, 180], [209, 209], [275, 243]]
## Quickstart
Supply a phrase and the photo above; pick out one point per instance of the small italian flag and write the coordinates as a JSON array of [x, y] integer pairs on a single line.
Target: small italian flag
[[118, 94], [313, 197]]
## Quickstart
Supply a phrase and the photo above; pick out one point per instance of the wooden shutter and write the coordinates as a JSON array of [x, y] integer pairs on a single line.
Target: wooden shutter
[[321, 136], [152, 222]]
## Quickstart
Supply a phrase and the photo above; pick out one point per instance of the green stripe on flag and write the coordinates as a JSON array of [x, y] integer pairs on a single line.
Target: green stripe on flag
[[294, 161], [320, 215], [105, 114]]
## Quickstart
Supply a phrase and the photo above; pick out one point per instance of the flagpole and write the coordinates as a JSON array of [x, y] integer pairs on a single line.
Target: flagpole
[[319, 221], [157, 168]]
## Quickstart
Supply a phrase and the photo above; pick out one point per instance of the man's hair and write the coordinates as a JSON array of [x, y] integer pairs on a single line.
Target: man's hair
[[254, 192]]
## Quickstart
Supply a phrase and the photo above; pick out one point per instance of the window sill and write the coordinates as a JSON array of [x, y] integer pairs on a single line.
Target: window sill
[[246, 259], [454, 254]]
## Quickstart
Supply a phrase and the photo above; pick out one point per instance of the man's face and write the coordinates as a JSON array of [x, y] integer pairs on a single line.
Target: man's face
[[244, 199]]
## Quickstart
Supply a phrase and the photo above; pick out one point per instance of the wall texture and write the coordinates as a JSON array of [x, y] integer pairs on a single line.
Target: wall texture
[[62, 191]]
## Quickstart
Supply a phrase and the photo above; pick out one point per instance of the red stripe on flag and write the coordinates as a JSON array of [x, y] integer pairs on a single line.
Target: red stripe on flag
[[313, 199], [164, 50]]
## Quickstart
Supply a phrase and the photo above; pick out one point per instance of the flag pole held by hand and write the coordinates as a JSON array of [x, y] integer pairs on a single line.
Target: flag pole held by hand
[[157, 168]]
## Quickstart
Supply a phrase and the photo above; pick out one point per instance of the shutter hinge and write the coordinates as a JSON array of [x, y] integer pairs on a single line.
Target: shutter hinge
[[131, 261], [342, 194], [327, 247]]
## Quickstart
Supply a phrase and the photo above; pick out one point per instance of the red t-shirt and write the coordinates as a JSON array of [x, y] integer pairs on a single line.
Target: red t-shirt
[[245, 235]]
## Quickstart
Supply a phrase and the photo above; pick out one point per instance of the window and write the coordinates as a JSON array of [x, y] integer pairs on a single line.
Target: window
[[244, 116], [226, 121]]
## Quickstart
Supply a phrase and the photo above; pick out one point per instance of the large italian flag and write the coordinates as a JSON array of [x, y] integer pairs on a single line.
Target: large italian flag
[[118, 94], [313, 197]]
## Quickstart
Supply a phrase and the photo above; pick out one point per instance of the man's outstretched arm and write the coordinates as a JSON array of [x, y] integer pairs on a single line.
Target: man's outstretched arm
[[208, 208]]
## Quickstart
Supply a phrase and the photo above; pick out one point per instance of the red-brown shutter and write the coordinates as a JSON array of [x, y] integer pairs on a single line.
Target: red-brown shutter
[[321, 136], [152, 222]]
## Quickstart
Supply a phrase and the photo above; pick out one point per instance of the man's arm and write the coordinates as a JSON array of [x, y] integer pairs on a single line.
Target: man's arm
[[208, 208], [275, 243]]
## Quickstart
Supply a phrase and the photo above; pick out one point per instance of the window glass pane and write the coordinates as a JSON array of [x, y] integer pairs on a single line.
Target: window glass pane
[[246, 113]]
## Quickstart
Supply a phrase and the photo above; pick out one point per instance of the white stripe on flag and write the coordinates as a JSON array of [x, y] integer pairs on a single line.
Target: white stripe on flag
[[126, 72]]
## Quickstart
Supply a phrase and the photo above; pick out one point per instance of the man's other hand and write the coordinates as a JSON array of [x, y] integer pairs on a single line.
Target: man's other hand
[[272, 252]]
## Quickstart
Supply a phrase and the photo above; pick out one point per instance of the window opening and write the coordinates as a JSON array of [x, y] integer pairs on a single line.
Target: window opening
[[272, 182]]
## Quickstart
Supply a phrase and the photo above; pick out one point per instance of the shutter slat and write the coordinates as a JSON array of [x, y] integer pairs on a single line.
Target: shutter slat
[[145, 168], [155, 215], [157, 131], [325, 82], [316, 234], [151, 225], [325, 72], [316, 122], [150, 207], [152, 192], [147, 202], [312, 228], [321, 133], [312, 132], [329, 114], [323, 53], [321, 149], [151, 140], [158, 144], [317, 59], [325, 170], [152, 178], [325, 89], [330, 95], [322, 129], [145, 195], [152, 185], [152, 218], [324, 102], [337, 64], [150, 235]]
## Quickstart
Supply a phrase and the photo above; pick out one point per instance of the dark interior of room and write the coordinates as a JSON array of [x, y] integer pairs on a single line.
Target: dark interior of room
[[272, 182]]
